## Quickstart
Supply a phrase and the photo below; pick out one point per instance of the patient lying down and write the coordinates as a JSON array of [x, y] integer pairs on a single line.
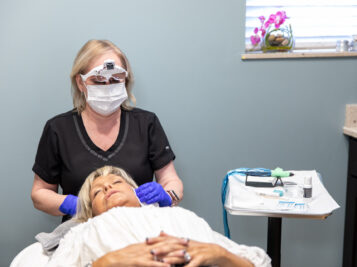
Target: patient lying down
[[116, 230]]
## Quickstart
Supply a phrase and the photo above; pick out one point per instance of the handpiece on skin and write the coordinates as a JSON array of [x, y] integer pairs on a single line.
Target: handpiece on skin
[[143, 203]]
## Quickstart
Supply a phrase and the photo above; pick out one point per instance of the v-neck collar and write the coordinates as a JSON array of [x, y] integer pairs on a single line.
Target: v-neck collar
[[92, 148]]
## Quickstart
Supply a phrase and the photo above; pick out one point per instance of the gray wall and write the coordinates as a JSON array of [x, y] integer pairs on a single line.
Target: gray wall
[[219, 112]]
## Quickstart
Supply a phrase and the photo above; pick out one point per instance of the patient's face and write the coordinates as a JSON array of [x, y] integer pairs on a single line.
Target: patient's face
[[111, 191]]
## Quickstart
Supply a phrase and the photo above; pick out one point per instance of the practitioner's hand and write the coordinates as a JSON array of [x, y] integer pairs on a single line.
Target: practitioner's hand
[[69, 205], [153, 192]]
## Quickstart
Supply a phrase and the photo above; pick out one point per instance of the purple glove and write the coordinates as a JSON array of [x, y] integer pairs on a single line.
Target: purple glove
[[69, 205], [153, 192]]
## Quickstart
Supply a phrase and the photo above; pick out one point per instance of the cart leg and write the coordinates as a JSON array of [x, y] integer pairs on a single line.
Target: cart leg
[[274, 240]]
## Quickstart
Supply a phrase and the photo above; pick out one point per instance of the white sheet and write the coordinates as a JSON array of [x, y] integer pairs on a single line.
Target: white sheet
[[89, 241], [31, 256]]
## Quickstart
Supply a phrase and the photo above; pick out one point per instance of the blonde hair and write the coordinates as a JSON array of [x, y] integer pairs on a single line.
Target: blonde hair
[[91, 50], [84, 204]]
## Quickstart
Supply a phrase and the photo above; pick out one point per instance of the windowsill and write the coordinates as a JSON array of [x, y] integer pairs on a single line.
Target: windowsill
[[322, 53]]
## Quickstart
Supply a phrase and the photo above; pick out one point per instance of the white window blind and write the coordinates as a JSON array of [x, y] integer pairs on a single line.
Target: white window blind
[[316, 24]]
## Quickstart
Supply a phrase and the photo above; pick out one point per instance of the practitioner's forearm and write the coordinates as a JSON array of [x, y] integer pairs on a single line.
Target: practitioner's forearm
[[168, 178], [45, 197], [48, 201]]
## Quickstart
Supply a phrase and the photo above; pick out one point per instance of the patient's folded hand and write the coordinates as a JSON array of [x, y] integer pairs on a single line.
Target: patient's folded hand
[[150, 253], [196, 253], [168, 247], [137, 255]]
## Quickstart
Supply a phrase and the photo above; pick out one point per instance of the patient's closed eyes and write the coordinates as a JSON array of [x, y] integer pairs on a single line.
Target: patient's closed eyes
[[111, 191]]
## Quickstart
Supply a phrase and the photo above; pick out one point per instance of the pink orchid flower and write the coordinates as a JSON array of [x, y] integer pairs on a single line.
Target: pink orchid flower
[[255, 39], [263, 32], [267, 24], [277, 19], [272, 18], [270, 21], [280, 17], [262, 19]]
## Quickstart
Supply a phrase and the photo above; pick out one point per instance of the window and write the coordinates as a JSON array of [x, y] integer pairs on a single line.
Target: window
[[316, 24]]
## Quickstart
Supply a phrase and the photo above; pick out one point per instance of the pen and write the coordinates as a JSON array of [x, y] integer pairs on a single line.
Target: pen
[[269, 195]]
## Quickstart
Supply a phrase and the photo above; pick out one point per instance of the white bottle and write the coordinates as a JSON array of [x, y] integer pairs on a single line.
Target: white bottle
[[308, 187]]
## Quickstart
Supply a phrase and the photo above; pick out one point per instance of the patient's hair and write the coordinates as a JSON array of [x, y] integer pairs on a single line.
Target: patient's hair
[[84, 205]]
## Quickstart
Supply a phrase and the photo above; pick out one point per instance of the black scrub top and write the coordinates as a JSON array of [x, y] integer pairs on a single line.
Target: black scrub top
[[66, 155]]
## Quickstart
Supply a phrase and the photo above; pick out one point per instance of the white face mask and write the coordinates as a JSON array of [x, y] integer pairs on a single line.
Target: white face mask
[[106, 99]]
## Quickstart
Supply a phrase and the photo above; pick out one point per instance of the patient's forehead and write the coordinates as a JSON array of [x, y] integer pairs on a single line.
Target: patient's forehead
[[106, 178]]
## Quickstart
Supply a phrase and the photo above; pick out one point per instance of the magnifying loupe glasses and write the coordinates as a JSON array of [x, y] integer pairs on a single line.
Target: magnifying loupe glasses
[[106, 73]]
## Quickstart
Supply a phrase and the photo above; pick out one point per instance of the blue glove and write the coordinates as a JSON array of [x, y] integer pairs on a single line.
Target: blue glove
[[153, 192], [69, 205]]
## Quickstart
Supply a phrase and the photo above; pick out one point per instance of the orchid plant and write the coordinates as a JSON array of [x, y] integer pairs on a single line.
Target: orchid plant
[[277, 19]]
